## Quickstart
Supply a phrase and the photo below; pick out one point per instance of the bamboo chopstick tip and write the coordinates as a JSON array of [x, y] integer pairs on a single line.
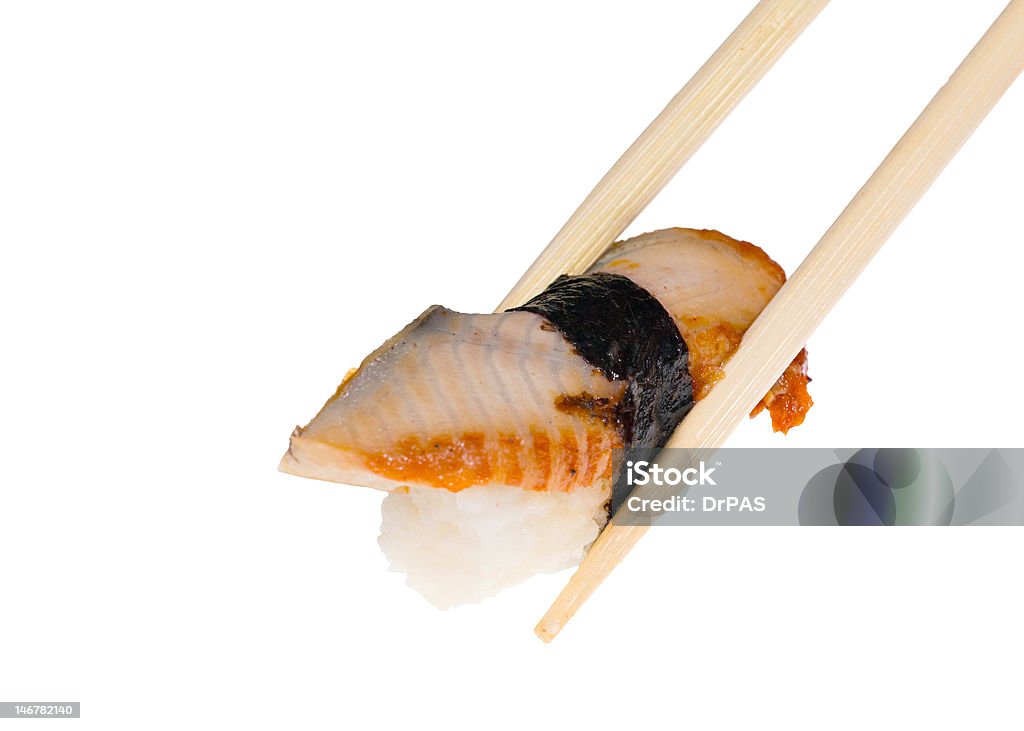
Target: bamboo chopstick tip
[[547, 630]]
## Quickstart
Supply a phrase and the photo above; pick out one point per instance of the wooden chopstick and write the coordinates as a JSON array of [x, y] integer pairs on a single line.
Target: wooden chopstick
[[827, 272], [670, 140]]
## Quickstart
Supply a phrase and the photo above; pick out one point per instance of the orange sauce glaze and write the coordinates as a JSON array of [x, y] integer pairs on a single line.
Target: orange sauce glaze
[[456, 462], [712, 345], [788, 400]]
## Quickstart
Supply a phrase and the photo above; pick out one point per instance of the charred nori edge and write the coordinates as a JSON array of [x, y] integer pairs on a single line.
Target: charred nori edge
[[621, 329]]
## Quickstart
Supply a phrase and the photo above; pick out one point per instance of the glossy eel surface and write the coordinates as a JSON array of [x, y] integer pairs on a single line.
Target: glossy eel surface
[[456, 400]]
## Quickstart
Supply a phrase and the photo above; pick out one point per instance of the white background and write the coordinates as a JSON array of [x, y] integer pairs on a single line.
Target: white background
[[210, 210]]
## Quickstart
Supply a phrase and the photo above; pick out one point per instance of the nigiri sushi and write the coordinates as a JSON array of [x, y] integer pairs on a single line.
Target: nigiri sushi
[[493, 434]]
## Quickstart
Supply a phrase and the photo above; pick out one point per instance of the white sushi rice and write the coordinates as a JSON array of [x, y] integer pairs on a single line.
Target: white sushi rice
[[463, 547]]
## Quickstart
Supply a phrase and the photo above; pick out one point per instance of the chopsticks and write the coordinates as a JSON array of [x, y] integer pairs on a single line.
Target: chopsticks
[[670, 140], [825, 275]]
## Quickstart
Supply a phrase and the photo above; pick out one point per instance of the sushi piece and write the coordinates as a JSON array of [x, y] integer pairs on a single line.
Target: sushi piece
[[493, 434]]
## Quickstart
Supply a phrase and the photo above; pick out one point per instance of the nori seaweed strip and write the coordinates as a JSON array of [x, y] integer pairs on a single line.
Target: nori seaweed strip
[[622, 330]]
